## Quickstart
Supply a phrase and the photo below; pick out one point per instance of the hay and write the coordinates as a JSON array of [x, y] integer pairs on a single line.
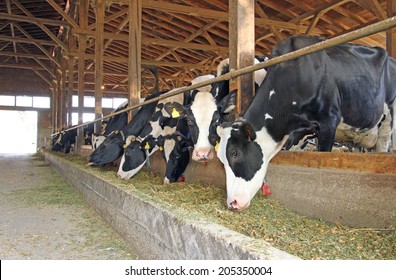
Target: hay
[[265, 219]]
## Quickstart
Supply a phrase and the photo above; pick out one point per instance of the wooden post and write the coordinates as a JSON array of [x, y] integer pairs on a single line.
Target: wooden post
[[63, 103], [70, 92], [135, 48], [241, 38], [53, 107], [391, 48], [82, 43], [59, 98], [99, 40]]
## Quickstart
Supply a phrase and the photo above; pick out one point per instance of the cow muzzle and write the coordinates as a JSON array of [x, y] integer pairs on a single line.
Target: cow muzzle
[[235, 204], [202, 154]]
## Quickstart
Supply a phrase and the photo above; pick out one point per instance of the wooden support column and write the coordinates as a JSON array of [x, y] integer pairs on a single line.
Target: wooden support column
[[99, 49], [135, 48], [70, 92], [69, 105], [59, 99], [391, 48], [53, 107], [63, 104], [241, 38], [82, 43]]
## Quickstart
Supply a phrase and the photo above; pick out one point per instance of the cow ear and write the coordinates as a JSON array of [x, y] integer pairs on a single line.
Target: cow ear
[[227, 104], [248, 131], [175, 110]]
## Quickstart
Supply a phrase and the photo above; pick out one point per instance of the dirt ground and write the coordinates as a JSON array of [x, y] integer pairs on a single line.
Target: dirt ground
[[42, 217]]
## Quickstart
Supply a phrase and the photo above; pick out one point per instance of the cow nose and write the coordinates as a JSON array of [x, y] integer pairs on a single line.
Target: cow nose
[[233, 205], [203, 154]]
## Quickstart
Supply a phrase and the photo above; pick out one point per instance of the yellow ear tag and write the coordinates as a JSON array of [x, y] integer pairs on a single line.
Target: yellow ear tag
[[124, 146], [217, 146], [161, 148], [175, 114], [147, 146]]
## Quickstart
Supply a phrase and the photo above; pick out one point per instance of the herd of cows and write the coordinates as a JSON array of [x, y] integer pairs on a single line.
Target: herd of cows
[[345, 94]]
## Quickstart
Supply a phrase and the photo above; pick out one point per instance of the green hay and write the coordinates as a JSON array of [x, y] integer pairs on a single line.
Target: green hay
[[265, 219]]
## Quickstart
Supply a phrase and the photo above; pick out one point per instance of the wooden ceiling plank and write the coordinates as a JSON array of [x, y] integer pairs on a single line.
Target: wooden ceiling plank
[[374, 7]]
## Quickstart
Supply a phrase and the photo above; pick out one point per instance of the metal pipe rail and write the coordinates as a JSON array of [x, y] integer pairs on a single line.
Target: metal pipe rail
[[353, 35]]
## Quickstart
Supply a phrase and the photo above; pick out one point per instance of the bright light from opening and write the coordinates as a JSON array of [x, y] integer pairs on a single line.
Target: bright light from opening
[[21, 128]]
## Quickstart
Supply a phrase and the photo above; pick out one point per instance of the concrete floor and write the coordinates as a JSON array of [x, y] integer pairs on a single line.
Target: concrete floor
[[42, 217]]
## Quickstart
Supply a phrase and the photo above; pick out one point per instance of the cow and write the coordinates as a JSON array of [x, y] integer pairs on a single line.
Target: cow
[[112, 147], [175, 149], [207, 110], [310, 95], [117, 122], [65, 140], [162, 123]]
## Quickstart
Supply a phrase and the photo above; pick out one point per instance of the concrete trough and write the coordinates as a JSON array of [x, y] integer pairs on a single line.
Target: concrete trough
[[158, 231], [353, 189]]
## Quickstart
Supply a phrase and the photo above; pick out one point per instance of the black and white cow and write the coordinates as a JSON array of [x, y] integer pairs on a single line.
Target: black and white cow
[[65, 140], [117, 122], [175, 149], [309, 95], [206, 112], [162, 123], [112, 147]]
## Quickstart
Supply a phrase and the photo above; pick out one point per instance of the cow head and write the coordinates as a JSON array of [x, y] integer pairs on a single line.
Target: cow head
[[110, 150], [97, 140], [203, 115], [175, 150], [135, 156], [246, 152]]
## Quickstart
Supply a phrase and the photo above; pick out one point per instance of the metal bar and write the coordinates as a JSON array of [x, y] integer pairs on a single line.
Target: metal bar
[[357, 34]]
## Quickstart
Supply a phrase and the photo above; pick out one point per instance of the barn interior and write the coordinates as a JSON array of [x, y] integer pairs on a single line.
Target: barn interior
[[65, 63], [72, 61]]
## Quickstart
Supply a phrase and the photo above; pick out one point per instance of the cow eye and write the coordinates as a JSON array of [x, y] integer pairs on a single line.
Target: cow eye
[[234, 154]]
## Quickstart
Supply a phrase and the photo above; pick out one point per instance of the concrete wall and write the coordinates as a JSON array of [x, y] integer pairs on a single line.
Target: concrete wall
[[157, 231], [358, 190]]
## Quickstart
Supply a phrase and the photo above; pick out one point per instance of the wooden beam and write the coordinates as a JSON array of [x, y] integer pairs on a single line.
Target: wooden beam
[[110, 17], [210, 13], [11, 27], [62, 13], [42, 26], [46, 67], [154, 41], [99, 50], [33, 19], [242, 50], [27, 40], [44, 50], [135, 49]]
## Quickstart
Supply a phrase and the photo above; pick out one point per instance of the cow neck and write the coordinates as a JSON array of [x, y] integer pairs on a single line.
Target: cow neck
[[268, 124]]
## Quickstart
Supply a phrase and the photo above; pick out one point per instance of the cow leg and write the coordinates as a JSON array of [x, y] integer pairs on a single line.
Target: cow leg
[[327, 133], [384, 132]]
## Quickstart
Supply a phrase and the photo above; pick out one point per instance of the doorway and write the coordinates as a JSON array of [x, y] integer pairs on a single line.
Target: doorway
[[18, 132]]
